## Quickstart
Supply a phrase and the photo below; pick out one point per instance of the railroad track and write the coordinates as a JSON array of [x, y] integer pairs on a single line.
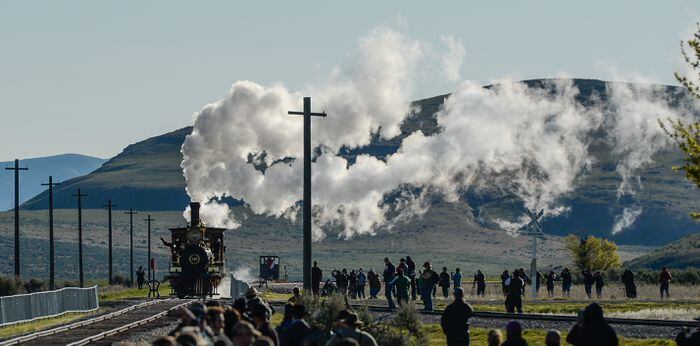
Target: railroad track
[[101, 327], [543, 317]]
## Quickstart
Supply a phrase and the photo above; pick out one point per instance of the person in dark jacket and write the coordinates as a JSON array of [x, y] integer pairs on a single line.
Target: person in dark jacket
[[341, 280], [352, 284], [316, 276], [588, 282], [685, 338], [591, 329], [664, 282], [444, 282], [514, 298], [480, 283], [566, 282], [429, 279], [140, 277], [505, 276], [298, 330], [514, 334], [630, 286], [411, 275], [455, 320], [549, 279], [599, 283], [374, 284], [538, 281], [388, 277], [261, 319]]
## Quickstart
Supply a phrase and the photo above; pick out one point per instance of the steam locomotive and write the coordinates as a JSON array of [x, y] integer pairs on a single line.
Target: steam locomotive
[[197, 258]]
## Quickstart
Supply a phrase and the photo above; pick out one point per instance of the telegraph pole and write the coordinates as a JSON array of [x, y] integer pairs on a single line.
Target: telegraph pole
[[80, 235], [149, 219], [307, 188], [109, 208], [16, 168], [52, 268], [131, 213]]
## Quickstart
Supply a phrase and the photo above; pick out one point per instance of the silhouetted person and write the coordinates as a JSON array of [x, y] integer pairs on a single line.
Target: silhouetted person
[[538, 281], [374, 284], [664, 282], [361, 282], [140, 277], [298, 329], [480, 283], [591, 329], [514, 334], [455, 320], [566, 282], [588, 282], [549, 279], [411, 273], [553, 338], [628, 282], [599, 283], [514, 298], [505, 276], [444, 282], [388, 276], [316, 275]]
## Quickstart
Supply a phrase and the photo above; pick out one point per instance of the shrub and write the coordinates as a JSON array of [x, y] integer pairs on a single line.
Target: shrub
[[121, 280], [10, 286], [35, 285]]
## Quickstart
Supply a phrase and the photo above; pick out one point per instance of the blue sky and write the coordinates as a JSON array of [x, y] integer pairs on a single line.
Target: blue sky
[[91, 77]]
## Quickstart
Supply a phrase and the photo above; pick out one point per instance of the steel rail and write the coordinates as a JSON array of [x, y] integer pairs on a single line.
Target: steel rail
[[543, 317], [79, 324], [126, 327]]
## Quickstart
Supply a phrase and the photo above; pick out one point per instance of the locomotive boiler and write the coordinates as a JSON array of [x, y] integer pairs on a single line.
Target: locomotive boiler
[[197, 257]]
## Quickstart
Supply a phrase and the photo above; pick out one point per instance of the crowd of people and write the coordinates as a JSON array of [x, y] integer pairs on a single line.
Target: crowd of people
[[247, 323], [404, 282]]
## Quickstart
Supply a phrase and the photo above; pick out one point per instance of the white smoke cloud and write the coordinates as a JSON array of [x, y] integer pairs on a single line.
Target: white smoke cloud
[[452, 60], [626, 219], [532, 143]]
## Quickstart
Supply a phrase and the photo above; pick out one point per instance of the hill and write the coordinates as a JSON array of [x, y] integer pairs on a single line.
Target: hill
[[682, 253], [147, 175], [61, 167]]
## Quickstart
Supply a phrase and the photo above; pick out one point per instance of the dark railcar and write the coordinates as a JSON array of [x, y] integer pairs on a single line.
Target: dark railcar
[[198, 258]]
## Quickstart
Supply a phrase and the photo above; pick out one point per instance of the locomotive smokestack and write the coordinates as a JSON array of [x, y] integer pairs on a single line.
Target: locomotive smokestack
[[194, 214]]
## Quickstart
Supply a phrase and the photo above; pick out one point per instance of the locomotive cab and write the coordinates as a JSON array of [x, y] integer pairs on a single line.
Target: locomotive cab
[[197, 257]]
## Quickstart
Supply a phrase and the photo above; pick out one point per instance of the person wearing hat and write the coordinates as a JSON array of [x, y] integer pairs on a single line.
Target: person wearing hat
[[455, 320], [298, 330], [350, 324], [429, 279], [684, 338], [261, 318], [245, 334], [402, 284], [514, 335]]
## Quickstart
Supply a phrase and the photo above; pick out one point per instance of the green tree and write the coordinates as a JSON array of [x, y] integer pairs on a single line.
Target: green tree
[[688, 135], [592, 253]]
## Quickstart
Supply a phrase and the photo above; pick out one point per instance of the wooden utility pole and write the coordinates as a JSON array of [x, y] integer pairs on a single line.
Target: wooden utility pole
[[16, 168], [80, 235], [131, 214], [52, 268], [307, 189], [149, 219], [109, 207]]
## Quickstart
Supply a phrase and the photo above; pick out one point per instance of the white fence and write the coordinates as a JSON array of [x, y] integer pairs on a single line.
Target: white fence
[[27, 307]]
